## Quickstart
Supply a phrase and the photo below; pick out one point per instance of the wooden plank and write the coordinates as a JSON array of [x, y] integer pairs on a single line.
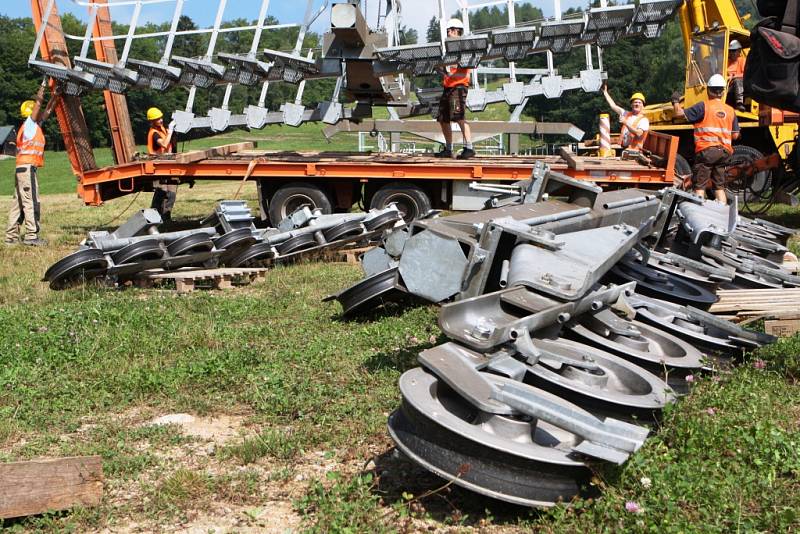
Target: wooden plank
[[214, 152], [572, 160], [40, 486]]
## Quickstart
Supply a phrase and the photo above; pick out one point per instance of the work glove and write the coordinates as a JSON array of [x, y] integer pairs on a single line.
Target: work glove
[[171, 127], [677, 96]]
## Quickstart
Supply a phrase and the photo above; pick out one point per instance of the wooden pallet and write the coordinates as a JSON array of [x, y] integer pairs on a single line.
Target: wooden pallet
[[752, 304], [188, 279], [346, 255]]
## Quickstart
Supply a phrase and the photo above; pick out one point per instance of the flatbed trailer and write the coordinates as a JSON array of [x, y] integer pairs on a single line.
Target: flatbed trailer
[[329, 181], [338, 180]]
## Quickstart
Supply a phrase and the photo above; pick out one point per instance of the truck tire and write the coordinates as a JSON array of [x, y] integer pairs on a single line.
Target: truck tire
[[411, 200], [759, 186], [290, 197]]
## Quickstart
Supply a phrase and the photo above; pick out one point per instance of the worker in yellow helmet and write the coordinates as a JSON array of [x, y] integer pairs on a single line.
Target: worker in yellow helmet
[[159, 141], [24, 217], [634, 124]]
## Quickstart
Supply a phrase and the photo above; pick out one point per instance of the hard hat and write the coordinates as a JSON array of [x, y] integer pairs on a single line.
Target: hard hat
[[153, 114], [735, 45], [26, 109], [637, 96], [716, 82], [455, 23]]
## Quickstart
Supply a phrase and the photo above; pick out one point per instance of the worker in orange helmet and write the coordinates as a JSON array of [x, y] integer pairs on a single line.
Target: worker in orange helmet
[[735, 73], [635, 125], [453, 103], [25, 209], [715, 128], [159, 141]]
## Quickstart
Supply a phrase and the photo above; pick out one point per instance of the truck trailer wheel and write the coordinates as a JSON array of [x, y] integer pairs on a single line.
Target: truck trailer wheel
[[291, 197], [412, 201], [760, 184]]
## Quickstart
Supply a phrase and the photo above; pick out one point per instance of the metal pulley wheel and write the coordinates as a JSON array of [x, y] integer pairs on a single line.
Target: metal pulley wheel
[[696, 332], [370, 292], [77, 267], [662, 285], [343, 230], [242, 237], [297, 243], [617, 386], [743, 279], [686, 273], [148, 249], [255, 254], [648, 347], [190, 244], [516, 459], [383, 221]]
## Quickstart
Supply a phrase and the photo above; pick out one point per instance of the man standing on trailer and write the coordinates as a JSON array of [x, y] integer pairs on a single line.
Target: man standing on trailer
[[25, 208], [634, 124], [453, 103], [159, 141], [715, 128]]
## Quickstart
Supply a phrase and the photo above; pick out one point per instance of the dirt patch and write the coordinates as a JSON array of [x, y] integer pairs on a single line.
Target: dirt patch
[[218, 428]]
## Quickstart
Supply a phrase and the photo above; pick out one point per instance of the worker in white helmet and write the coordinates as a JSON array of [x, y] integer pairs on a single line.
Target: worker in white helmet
[[735, 73], [453, 102], [715, 128]]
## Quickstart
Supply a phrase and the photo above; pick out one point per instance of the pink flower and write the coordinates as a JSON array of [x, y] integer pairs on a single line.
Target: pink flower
[[759, 364], [633, 507], [689, 378], [711, 411]]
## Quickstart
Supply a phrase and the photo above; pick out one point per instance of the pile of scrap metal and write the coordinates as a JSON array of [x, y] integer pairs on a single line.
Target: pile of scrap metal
[[574, 317], [228, 239]]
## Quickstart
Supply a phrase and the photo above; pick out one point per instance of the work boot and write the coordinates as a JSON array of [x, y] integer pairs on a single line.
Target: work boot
[[35, 242], [444, 153], [466, 153], [9, 241], [741, 107]]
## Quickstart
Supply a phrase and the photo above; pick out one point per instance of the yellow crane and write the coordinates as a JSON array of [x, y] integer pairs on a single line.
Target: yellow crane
[[707, 27]]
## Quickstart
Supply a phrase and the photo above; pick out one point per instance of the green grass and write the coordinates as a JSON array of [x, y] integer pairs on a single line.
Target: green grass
[[81, 371]]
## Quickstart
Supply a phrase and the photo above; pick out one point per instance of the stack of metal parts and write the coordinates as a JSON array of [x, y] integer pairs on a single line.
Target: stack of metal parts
[[228, 239], [551, 365]]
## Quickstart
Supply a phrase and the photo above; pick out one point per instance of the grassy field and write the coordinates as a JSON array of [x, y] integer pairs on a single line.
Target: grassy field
[[289, 405]]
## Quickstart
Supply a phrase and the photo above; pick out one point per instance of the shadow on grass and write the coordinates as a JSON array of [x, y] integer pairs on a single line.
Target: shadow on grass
[[383, 309], [399, 480], [401, 359]]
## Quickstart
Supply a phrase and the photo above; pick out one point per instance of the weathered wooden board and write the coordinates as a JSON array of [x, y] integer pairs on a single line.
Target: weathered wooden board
[[38, 486], [214, 152]]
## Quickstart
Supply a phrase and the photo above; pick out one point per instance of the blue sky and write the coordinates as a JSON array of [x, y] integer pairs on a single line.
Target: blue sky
[[416, 13]]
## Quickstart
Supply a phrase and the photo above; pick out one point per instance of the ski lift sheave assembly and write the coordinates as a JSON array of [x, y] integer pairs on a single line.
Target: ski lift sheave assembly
[[370, 66]]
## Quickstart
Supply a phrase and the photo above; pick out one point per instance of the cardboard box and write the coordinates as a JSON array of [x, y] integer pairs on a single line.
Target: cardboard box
[[782, 327]]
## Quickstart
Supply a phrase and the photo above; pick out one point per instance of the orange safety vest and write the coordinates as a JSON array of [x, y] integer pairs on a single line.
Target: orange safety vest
[[30, 151], [736, 68], [630, 140], [152, 147], [455, 77], [716, 128]]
